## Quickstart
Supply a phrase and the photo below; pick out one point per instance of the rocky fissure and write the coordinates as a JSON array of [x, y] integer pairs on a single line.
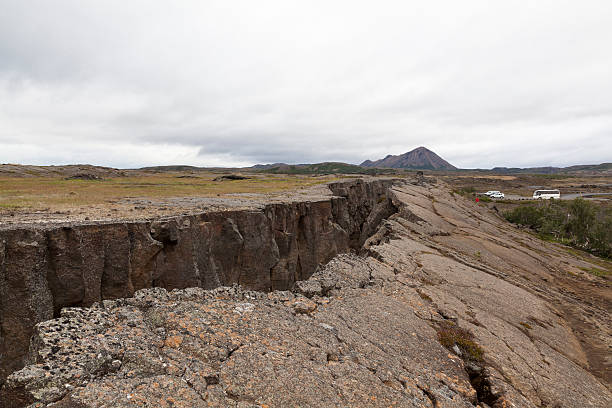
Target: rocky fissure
[[356, 329], [45, 268]]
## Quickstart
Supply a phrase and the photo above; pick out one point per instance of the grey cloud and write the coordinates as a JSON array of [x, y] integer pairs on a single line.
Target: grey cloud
[[208, 83]]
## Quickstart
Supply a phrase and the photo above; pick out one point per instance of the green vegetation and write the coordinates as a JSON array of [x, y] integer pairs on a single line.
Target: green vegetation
[[597, 272], [464, 191], [449, 335], [470, 192], [591, 167], [578, 223], [553, 176], [523, 202]]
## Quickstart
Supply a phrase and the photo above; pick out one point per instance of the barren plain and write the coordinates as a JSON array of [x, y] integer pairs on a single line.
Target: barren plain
[[89, 193]]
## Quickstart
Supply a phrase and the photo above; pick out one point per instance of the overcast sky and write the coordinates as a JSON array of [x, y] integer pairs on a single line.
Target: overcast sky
[[230, 83]]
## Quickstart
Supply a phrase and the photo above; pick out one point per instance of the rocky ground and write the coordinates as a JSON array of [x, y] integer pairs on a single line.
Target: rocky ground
[[152, 208], [445, 305], [80, 193]]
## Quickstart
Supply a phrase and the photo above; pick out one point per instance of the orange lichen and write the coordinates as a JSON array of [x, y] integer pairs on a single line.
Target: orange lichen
[[173, 341]]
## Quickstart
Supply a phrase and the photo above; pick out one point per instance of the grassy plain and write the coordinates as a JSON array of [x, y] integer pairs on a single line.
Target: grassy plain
[[57, 192]]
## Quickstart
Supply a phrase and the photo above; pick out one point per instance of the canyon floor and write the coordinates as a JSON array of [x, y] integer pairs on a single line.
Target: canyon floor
[[364, 293]]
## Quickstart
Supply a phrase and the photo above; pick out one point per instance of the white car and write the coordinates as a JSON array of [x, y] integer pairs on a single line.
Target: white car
[[489, 193], [497, 195]]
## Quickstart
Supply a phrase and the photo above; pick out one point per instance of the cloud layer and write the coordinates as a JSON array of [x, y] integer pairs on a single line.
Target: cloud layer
[[213, 83]]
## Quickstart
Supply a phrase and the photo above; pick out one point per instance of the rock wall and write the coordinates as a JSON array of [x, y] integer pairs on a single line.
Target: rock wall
[[447, 305], [46, 268]]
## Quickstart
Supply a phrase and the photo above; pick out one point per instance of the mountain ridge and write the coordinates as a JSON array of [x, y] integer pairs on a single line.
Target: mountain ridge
[[419, 158]]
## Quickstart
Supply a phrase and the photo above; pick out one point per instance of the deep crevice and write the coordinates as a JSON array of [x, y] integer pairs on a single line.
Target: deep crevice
[[430, 396], [118, 247], [480, 382]]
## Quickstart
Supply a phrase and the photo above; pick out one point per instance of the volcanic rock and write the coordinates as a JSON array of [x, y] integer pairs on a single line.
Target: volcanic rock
[[370, 337], [419, 158]]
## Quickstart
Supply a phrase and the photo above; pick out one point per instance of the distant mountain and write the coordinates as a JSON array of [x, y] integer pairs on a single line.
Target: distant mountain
[[178, 167], [317, 168], [581, 168], [268, 166], [419, 158]]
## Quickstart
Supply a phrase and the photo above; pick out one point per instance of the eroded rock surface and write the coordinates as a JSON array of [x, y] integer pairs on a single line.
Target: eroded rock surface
[[263, 245], [363, 330]]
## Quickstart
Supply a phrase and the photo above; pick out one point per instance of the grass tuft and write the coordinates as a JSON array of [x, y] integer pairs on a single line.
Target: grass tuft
[[597, 272], [449, 335]]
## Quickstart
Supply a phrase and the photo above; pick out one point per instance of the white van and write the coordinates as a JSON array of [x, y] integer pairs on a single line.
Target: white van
[[546, 194]]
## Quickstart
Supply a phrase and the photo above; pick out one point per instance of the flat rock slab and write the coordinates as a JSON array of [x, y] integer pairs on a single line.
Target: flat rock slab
[[228, 347]]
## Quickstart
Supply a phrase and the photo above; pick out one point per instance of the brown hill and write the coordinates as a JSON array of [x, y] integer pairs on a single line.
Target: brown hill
[[68, 170], [419, 158]]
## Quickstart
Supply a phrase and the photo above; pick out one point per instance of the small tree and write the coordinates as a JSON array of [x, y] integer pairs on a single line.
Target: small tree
[[601, 236], [581, 218], [530, 216], [579, 223], [553, 219]]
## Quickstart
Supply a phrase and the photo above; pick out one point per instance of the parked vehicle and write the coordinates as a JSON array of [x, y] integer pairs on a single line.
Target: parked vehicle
[[497, 195], [489, 193], [546, 194]]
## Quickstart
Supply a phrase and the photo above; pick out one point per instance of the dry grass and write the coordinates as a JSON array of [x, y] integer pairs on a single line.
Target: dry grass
[[597, 272], [56, 192], [494, 177]]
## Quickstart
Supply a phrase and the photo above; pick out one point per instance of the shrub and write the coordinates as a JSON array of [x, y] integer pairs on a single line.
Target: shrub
[[601, 237], [579, 223], [530, 216], [465, 191], [554, 216], [596, 271]]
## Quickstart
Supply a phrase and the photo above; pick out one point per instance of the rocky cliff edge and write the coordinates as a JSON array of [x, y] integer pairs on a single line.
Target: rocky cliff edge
[[445, 306]]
